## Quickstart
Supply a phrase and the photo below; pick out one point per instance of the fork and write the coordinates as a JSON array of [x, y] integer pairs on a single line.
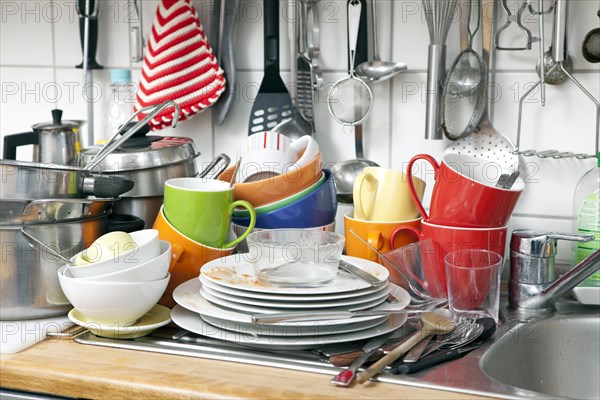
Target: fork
[[464, 329]]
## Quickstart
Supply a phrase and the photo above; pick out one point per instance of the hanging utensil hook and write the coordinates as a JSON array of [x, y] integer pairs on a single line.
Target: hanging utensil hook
[[533, 11], [87, 13]]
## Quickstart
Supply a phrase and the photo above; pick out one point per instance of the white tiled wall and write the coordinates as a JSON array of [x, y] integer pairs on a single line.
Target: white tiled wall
[[39, 47]]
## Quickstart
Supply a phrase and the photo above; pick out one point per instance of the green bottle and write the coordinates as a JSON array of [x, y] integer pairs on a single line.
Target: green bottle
[[586, 212]]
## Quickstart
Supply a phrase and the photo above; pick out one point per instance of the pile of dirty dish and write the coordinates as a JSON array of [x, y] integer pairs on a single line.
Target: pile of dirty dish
[[228, 302], [115, 284], [284, 180]]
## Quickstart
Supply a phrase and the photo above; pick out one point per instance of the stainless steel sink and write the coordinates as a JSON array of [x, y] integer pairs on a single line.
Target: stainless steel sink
[[549, 356], [559, 356], [541, 357]]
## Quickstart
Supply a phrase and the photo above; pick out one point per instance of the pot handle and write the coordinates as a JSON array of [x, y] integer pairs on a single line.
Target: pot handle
[[124, 223], [208, 171], [41, 247], [11, 142]]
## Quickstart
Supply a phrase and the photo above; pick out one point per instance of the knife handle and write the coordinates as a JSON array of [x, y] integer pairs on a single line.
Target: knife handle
[[343, 360], [391, 357], [429, 361]]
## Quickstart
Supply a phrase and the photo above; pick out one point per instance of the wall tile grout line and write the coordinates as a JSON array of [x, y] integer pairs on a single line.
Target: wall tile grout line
[[54, 78], [391, 91]]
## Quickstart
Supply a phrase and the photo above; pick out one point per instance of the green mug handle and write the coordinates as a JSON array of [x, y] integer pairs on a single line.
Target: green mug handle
[[247, 206]]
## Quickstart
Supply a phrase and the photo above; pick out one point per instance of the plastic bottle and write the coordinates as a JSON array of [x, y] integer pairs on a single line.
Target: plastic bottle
[[586, 212], [119, 103]]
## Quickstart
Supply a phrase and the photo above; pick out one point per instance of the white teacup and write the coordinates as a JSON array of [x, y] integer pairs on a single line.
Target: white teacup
[[268, 154]]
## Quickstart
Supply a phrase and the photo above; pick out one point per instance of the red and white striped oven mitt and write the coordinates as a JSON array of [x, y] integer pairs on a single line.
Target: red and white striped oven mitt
[[179, 65]]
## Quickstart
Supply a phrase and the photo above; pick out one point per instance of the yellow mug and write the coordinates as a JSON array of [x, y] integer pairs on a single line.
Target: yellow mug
[[383, 194], [377, 234]]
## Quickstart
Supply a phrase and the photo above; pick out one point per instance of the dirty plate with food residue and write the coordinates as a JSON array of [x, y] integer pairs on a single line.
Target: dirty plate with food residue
[[236, 272]]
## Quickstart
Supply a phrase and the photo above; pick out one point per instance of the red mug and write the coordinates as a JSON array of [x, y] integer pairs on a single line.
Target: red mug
[[464, 193], [451, 238]]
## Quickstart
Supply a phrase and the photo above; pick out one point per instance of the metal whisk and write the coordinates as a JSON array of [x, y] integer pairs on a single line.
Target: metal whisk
[[439, 15]]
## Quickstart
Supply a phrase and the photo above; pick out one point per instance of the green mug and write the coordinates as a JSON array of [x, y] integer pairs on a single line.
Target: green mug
[[201, 209]]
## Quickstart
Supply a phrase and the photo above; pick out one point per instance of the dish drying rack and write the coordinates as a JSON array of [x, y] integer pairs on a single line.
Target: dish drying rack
[[559, 59]]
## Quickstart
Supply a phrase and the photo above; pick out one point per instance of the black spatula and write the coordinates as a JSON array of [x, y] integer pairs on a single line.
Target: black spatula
[[273, 102]]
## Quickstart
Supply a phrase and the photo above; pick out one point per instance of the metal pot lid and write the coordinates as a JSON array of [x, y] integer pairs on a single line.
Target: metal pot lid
[[144, 153], [57, 124]]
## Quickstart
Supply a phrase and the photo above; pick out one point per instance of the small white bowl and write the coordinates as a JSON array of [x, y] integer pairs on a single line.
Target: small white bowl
[[152, 270], [108, 303], [148, 249]]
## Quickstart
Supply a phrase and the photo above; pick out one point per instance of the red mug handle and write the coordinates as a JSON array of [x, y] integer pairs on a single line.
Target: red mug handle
[[415, 231], [411, 185]]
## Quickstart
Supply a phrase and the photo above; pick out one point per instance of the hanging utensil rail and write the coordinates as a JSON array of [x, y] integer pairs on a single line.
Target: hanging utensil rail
[[559, 55]]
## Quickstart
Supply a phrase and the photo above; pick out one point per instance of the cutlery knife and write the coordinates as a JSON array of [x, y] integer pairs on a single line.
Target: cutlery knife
[[415, 353], [345, 377], [365, 276], [298, 316], [433, 360]]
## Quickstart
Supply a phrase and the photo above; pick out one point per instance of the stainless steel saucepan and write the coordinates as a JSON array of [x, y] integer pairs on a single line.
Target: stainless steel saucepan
[[52, 210], [29, 287]]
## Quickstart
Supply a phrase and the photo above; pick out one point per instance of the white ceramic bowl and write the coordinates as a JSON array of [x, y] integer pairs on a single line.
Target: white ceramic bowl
[[268, 154], [112, 303], [148, 249], [152, 270]]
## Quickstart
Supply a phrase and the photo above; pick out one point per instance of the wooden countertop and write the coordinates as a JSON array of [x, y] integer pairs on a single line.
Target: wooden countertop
[[63, 367]]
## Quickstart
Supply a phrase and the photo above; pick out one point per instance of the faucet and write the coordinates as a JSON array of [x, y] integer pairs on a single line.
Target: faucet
[[532, 283]]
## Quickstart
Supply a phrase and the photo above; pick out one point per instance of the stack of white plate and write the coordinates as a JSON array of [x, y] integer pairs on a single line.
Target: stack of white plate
[[221, 302]]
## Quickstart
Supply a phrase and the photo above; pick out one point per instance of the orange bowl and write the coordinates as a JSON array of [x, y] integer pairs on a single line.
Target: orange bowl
[[265, 191], [187, 256]]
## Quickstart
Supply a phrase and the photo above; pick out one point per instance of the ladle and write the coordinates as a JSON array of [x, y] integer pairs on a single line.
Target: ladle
[[433, 324], [469, 67], [295, 126], [377, 70], [345, 172]]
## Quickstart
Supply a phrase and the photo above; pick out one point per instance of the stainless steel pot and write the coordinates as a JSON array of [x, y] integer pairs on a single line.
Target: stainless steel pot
[[23, 180], [145, 208], [52, 210], [149, 161], [29, 287], [56, 142]]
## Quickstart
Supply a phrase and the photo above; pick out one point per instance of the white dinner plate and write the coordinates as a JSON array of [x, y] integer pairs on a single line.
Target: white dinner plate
[[264, 310], [235, 272], [188, 296], [351, 302], [246, 294], [192, 322], [155, 318], [291, 328]]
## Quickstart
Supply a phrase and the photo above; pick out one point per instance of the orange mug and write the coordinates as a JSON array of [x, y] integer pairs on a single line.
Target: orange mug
[[188, 256], [377, 234]]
